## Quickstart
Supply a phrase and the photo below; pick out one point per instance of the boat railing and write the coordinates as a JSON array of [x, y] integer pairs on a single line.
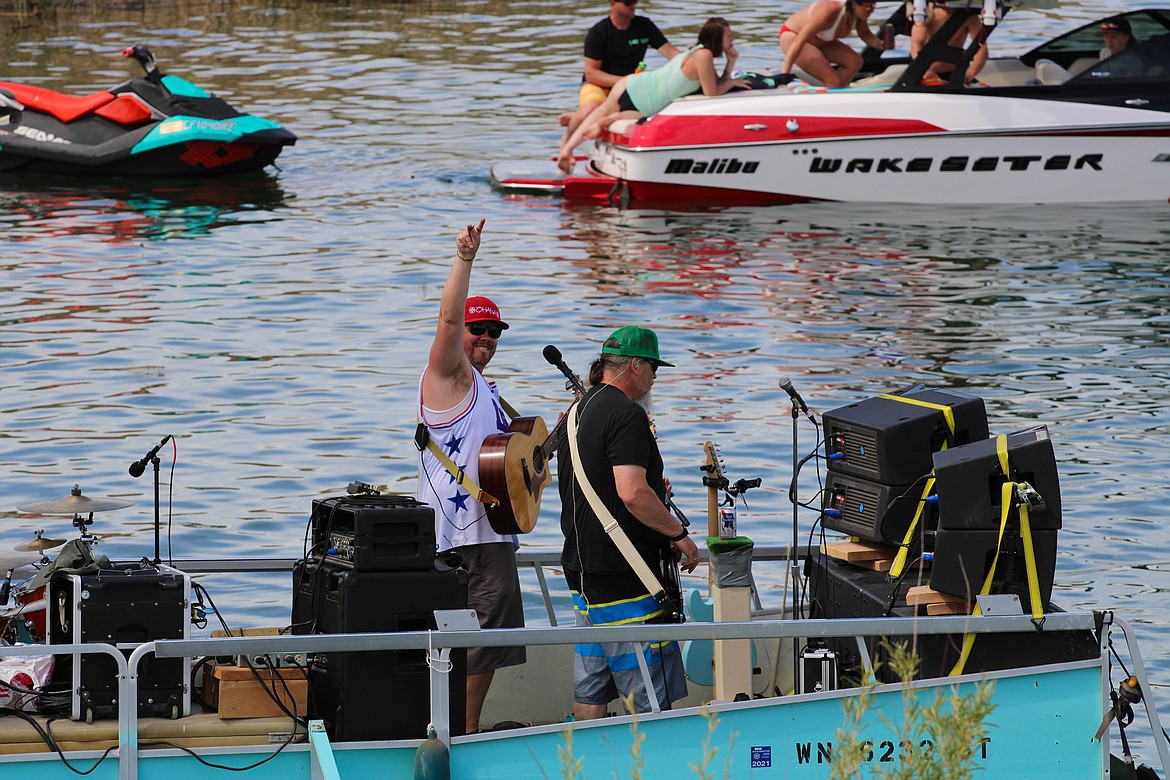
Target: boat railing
[[536, 560], [438, 644]]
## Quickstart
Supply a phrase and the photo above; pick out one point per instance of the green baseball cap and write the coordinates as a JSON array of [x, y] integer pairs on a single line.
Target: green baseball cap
[[635, 342]]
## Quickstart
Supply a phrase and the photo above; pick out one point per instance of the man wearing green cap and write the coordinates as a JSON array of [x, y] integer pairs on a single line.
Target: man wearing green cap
[[622, 463]]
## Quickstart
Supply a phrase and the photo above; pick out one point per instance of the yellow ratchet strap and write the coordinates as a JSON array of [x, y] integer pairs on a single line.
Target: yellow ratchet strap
[[947, 412], [1007, 493], [904, 551]]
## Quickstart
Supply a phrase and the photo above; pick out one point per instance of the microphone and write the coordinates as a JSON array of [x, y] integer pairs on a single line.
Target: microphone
[[139, 466], [553, 356], [797, 401]]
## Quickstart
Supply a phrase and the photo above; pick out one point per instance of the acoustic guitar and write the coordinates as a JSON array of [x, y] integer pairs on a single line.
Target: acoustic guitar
[[513, 466]]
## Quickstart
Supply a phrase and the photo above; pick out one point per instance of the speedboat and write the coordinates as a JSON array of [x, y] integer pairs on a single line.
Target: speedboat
[[1056, 124], [158, 125]]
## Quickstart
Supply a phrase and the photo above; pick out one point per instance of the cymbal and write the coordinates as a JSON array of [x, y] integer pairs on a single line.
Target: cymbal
[[40, 544], [74, 504], [14, 560]]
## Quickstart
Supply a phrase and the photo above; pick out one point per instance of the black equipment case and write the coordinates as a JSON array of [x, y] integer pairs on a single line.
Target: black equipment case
[[376, 695], [126, 605], [375, 533]]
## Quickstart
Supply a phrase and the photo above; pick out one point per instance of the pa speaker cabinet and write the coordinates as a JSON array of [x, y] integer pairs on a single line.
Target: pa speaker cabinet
[[969, 481], [870, 510], [375, 533], [962, 560], [891, 442], [124, 606], [377, 695]]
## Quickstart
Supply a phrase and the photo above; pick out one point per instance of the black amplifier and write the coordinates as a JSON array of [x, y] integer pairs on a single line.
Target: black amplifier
[[125, 606], [970, 481], [374, 533], [840, 590], [870, 510], [377, 695], [962, 559], [891, 441]]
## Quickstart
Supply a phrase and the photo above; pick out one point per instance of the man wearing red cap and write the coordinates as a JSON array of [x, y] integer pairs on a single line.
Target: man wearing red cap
[[460, 409]]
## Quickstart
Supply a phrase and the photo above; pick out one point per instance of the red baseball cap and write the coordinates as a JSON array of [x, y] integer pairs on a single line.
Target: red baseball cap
[[483, 309]]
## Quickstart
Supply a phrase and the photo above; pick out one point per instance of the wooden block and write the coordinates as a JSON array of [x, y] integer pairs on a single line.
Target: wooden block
[[851, 552], [882, 564], [940, 608], [220, 633], [239, 694], [922, 594]]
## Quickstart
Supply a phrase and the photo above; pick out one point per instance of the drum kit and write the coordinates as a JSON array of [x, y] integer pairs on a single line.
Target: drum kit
[[33, 553]]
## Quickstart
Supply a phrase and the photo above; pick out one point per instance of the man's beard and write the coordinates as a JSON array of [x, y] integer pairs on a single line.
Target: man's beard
[[646, 402]]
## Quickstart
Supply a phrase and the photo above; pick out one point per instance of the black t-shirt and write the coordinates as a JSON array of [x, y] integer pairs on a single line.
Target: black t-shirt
[[612, 431], [620, 51]]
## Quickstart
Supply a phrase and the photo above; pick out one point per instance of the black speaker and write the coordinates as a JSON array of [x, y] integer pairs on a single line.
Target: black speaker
[[377, 695], [375, 533], [840, 590], [969, 481], [870, 510], [127, 604], [963, 558], [890, 441]]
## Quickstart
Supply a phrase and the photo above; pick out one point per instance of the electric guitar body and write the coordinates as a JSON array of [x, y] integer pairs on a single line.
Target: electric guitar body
[[513, 467]]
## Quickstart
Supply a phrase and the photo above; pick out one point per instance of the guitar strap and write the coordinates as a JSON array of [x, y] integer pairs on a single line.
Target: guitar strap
[[507, 407], [608, 522], [422, 438]]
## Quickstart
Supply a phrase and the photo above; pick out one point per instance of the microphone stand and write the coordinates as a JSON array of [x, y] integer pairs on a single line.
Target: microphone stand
[[155, 462], [794, 563]]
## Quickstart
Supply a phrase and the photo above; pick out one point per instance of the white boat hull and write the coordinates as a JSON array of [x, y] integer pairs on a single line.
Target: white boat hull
[[860, 146]]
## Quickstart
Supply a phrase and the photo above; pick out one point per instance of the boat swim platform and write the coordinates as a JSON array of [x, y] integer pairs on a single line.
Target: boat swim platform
[[201, 730]]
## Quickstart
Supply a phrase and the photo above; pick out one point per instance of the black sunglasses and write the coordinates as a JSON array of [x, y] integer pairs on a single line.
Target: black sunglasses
[[479, 328], [652, 364]]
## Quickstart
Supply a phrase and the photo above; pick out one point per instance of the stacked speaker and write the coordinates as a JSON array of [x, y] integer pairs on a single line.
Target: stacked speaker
[[969, 483], [881, 452], [373, 569], [879, 457]]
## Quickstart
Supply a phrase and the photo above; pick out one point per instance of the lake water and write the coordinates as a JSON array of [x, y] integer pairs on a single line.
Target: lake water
[[276, 325]]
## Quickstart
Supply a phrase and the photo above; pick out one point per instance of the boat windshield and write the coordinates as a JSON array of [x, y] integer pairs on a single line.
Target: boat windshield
[[1084, 53]]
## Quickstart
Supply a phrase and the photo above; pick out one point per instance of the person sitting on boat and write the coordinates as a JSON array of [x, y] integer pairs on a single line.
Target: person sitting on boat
[[645, 94], [614, 47], [811, 39], [1119, 38], [621, 464], [460, 409], [938, 11]]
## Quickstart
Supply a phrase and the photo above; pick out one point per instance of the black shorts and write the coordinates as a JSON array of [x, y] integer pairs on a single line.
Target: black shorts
[[493, 591], [625, 104]]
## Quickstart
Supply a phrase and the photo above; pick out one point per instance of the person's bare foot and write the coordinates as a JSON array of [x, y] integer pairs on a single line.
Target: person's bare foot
[[565, 118], [566, 162]]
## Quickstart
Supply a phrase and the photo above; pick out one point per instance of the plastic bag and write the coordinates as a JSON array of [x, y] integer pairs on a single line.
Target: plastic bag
[[20, 677]]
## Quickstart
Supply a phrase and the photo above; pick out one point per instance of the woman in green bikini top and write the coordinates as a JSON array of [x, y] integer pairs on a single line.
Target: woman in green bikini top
[[644, 94]]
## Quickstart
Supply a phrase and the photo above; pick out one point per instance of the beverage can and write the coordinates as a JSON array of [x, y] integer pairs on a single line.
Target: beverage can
[[887, 35], [727, 523]]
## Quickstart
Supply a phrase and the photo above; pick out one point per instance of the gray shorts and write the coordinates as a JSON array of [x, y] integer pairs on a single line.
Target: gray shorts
[[604, 671], [493, 591]]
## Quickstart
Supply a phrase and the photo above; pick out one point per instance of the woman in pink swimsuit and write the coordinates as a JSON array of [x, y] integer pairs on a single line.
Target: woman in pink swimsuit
[[810, 39]]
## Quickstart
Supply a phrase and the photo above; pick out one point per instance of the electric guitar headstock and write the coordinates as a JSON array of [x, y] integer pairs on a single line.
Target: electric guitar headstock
[[715, 481]]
